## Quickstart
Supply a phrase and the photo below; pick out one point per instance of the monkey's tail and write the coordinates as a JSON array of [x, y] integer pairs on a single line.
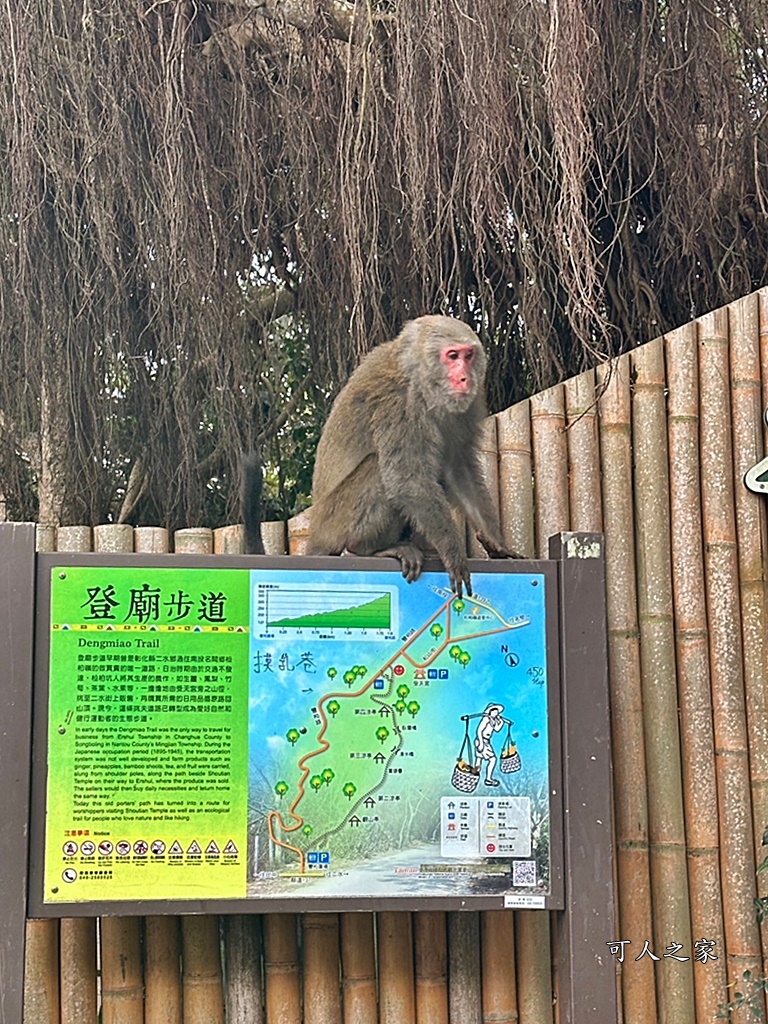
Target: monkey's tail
[[251, 492]]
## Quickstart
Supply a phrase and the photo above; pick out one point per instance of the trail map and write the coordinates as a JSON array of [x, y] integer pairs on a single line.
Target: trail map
[[235, 733], [397, 736]]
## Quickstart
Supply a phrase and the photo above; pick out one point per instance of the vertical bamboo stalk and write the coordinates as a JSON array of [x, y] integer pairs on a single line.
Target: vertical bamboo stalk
[[358, 962], [281, 969], [122, 987], [583, 453], [320, 956], [228, 540], [201, 983], [77, 941], [397, 1001], [113, 537], [669, 876], [489, 463], [275, 537], [45, 538], [74, 538], [550, 461], [41, 973], [78, 971], [516, 478], [298, 533], [150, 539], [162, 976], [762, 303], [497, 942], [464, 987], [121, 971], [41, 954], [532, 967], [692, 648], [244, 990], [748, 450], [628, 740], [550, 465], [725, 648], [430, 942], [195, 540]]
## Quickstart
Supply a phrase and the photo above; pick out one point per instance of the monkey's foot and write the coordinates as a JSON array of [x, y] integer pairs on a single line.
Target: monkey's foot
[[411, 559]]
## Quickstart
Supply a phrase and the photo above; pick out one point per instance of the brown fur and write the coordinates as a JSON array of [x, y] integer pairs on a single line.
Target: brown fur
[[399, 453]]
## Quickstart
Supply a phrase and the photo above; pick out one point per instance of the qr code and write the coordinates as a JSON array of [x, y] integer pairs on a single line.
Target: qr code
[[524, 872]]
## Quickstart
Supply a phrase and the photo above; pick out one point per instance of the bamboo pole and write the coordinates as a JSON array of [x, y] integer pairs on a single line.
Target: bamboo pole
[[244, 989], [669, 876], [627, 731], [201, 982], [692, 649], [488, 447], [45, 538], [748, 450], [113, 537], [41, 954], [358, 962], [74, 538], [298, 533], [228, 540], [550, 466], [397, 1001], [430, 944], [77, 942], [532, 967], [516, 478], [497, 942], [281, 969], [320, 960], [122, 988], [725, 649], [275, 537], [162, 977], [121, 970], [195, 540], [762, 303], [150, 539], [41, 973], [583, 453], [552, 514], [465, 987]]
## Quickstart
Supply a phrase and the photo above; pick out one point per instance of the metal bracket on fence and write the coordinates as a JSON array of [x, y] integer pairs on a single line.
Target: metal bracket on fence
[[756, 479]]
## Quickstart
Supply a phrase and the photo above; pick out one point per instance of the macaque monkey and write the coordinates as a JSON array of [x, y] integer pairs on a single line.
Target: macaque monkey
[[399, 452]]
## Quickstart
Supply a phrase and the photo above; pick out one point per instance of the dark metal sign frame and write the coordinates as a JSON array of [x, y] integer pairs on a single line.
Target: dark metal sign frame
[[580, 807]]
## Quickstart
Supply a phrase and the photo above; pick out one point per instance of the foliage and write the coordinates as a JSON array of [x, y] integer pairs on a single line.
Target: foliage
[[211, 210]]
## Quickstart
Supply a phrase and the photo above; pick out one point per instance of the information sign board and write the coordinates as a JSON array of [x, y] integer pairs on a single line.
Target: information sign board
[[270, 735]]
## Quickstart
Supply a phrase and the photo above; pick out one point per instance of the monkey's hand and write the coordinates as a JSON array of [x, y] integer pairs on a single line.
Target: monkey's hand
[[495, 548], [458, 574]]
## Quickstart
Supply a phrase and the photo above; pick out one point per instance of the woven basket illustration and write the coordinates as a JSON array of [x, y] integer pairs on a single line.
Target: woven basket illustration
[[510, 761], [465, 778]]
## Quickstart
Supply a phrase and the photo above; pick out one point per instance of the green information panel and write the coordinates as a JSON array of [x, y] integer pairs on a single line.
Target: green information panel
[[233, 734], [147, 787]]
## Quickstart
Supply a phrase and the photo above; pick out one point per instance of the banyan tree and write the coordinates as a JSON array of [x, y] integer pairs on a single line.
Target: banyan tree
[[210, 210]]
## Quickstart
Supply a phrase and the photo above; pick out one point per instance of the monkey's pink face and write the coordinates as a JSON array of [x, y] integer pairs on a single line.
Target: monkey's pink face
[[459, 362]]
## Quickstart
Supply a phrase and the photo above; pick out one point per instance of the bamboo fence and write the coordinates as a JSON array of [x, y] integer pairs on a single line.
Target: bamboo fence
[[652, 450]]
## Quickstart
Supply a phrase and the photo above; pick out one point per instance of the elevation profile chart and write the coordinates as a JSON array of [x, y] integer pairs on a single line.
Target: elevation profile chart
[[324, 611]]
